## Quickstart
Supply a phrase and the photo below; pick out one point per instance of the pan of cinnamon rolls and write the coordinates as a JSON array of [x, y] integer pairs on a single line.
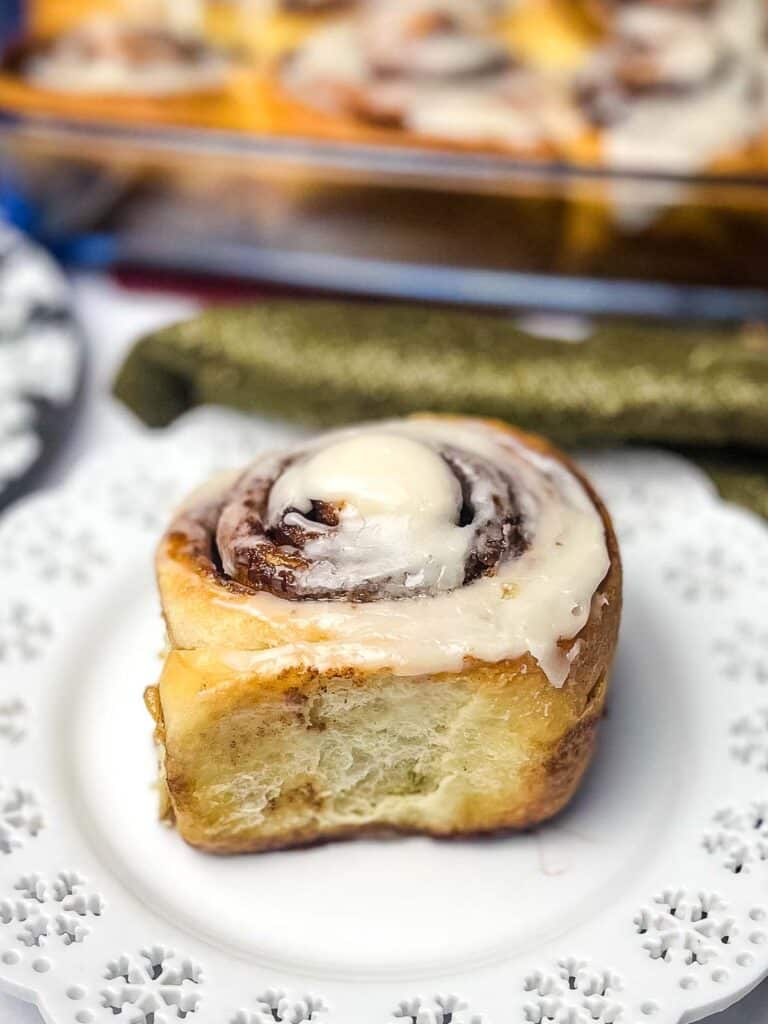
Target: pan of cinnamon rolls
[[675, 86]]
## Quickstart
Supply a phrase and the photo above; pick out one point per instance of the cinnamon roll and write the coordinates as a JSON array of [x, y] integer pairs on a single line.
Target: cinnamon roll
[[109, 56], [405, 625], [677, 84], [433, 67]]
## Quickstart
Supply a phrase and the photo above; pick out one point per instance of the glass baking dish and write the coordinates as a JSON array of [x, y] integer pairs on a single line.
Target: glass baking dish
[[325, 205]]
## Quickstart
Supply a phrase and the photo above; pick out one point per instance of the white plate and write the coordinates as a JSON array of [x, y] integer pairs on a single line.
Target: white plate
[[646, 900]]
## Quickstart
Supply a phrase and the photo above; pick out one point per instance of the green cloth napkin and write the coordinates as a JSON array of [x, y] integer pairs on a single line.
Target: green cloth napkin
[[323, 363]]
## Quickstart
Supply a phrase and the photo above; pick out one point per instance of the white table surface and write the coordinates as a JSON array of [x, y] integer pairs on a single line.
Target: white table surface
[[114, 317]]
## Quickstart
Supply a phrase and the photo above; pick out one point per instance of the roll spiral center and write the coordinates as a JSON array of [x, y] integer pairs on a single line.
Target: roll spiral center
[[367, 517]]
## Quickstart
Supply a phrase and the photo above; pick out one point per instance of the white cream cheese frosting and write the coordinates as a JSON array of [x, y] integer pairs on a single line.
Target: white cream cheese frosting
[[394, 494], [398, 513]]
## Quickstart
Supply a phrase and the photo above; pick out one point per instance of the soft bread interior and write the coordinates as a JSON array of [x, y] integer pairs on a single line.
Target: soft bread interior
[[248, 767]]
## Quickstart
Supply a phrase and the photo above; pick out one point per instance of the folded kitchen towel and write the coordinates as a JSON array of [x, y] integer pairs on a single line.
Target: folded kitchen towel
[[698, 387]]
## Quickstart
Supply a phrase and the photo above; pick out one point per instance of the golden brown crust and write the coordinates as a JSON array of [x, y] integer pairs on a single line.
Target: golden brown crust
[[213, 714]]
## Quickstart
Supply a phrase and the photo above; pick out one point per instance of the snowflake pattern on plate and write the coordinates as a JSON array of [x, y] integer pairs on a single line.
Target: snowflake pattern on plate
[[704, 574], [276, 1005], [684, 928], [575, 993], [20, 817], [25, 632], [740, 837], [13, 720], [750, 739], [141, 499], [742, 653], [58, 551], [44, 909], [155, 986], [448, 1009]]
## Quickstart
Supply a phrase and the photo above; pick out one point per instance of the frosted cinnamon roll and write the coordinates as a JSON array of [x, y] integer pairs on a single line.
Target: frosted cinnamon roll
[[404, 625], [108, 56], [434, 67], [677, 83]]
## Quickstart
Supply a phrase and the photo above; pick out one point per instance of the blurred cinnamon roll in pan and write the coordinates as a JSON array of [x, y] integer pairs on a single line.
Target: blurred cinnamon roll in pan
[[406, 625], [436, 68], [109, 56], [677, 85]]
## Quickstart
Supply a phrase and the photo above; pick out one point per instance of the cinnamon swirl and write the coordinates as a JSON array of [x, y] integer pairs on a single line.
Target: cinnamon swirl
[[402, 625]]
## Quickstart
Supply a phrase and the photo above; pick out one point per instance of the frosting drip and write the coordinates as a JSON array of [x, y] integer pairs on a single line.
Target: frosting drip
[[410, 545]]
